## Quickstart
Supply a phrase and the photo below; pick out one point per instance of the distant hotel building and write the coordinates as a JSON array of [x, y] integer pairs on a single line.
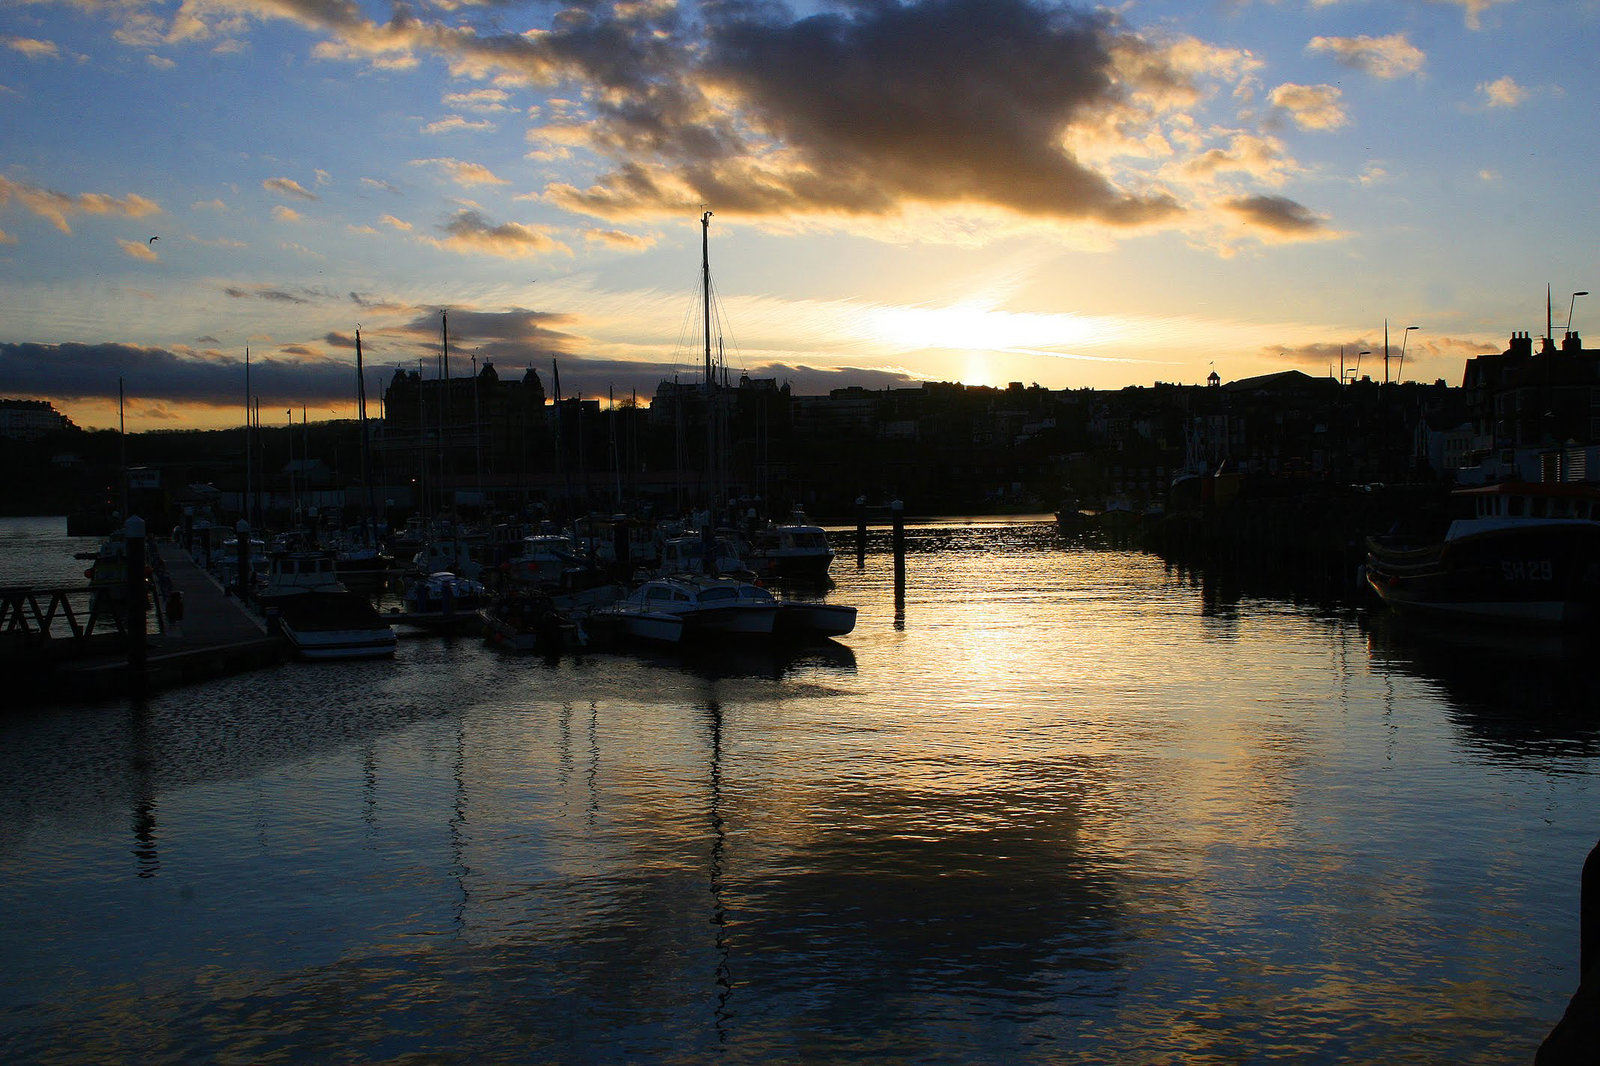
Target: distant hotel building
[[30, 419]]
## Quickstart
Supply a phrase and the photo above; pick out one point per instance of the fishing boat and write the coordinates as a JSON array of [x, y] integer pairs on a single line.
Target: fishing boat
[[796, 550], [1526, 552], [319, 616], [295, 573], [333, 625]]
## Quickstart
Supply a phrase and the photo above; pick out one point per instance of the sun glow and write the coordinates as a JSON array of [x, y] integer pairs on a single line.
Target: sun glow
[[975, 329]]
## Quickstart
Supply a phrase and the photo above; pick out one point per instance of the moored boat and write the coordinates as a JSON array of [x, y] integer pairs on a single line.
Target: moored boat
[[685, 606], [334, 625], [1528, 552], [444, 601], [806, 620], [796, 550], [529, 621]]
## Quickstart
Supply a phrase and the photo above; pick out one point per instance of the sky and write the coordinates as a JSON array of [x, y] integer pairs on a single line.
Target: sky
[[983, 191]]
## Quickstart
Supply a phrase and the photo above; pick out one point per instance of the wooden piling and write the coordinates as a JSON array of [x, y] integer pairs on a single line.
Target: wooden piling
[[898, 510], [138, 651], [861, 532]]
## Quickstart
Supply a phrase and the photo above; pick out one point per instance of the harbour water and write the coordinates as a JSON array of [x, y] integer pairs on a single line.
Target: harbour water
[[1068, 806]]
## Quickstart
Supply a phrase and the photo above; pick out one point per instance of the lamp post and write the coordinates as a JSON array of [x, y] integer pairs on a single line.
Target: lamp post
[[1404, 337], [1570, 304]]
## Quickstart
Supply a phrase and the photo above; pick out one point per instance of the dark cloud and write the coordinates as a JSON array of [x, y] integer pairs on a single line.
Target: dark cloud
[[860, 111], [1278, 214], [819, 381], [621, 378], [951, 100], [91, 371], [513, 342], [518, 337], [275, 295], [468, 230]]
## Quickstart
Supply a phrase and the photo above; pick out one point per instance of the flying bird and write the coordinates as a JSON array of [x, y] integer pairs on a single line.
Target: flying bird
[[152, 240]]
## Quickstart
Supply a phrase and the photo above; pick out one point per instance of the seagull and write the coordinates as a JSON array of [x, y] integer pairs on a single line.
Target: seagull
[[152, 240]]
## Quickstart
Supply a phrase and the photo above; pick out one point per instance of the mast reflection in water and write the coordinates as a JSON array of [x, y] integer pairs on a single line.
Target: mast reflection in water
[[1076, 807]]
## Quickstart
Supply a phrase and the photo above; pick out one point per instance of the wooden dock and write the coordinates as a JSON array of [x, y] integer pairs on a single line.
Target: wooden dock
[[218, 635]]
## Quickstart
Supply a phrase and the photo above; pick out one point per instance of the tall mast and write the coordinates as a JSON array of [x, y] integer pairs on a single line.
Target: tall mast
[[246, 508], [444, 404], [710, 378], [361, 411], [705, 285], [122, 450]]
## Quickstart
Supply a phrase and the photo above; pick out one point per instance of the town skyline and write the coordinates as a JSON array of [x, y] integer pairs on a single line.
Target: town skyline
[[950, 190]]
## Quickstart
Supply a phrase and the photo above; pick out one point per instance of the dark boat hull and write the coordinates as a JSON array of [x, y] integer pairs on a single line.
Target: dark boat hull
[[1547, 575]]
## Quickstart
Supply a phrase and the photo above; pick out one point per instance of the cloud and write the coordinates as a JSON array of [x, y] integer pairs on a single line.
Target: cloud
[[457, 124], [1502, 92], [32, 48], [218, 242], [55, 207], [1261, 158], [397, 223], [867, 111], [138, 250], [288, 187], [1277, 215], [858, 113], [90, 371], [470, 232], [492, 101], [1382, 57], [283, 213], [272, 295], [374, 183], [615, 238], [1473, 9], [466, 174], [1311, 107]]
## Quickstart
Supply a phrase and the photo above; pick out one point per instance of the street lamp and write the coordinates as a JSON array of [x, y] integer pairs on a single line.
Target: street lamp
[[1404, 337], [1570, 304]]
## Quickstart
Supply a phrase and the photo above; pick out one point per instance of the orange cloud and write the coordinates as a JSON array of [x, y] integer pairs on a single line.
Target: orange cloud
[[55, 206]]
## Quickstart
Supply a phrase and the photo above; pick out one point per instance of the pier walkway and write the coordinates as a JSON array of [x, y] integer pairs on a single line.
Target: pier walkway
[[218, 635]]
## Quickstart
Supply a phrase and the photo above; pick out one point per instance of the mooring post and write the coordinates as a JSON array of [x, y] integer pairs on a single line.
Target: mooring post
[[133, 539], [898, 510], [1589, 914], [242, 582], [861, 532]]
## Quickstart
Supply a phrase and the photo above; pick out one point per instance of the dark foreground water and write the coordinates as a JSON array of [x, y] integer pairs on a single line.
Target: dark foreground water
[[1073, 806]]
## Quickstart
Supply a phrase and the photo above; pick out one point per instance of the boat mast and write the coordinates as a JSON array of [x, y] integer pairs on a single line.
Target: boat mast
[[361, 410], [122, 449], [710, 379], [246, 508], [444, 404]]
